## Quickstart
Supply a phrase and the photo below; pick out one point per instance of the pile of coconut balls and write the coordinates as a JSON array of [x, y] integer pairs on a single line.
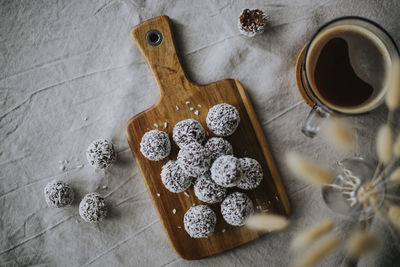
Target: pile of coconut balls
[[92, 208], [209, 165]]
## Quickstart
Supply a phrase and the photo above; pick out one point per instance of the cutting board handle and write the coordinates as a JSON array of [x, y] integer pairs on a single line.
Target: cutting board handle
[[156, 43]]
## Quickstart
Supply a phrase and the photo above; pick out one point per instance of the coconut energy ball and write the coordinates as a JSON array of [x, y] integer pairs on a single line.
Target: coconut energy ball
[[252, 173], [174, 178], [199, 221], [155, 145], [236, 208], [252, 22], [188, 131], [93, 208], [58, 194], [226, 171], [218, 147], [207, 190], [100, 153], [223, 119], [194, 159]]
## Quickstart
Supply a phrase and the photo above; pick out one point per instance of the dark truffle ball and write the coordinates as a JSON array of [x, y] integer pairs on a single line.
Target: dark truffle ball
[[218, 147], [236, 208], [174, 178], [223, 119], [155, 145], [207, 190], [58, 194], [93, 208], [194, 159], [100, 153], [200, 221], [252, 173], [226, 171], [188, 131], [252, 22]]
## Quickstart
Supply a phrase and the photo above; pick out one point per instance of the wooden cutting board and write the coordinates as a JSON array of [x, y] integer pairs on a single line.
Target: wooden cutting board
[[175, 90]]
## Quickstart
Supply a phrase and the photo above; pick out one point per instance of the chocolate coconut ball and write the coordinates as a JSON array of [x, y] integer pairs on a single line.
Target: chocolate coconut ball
[[223, 119], [252, 173], [252, 22], [100, 153], [155, 145], [200, 221], [207, 190], [93, 208], [174, 178], [236, 208], [58, 194], [218, 147], [226, 171], [194, 159], [188, 131]]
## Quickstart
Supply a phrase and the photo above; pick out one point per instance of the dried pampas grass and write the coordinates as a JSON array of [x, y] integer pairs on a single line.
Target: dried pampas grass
[[317, 252], [393, 93], [395, 175], [384, 144], [308, 170], [308, 236], [339, 133], [360, 242], [394, 215], [267, 222], [396, 147]]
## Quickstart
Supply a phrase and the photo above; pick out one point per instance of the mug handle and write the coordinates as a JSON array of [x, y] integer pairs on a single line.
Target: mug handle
[[314, 120]]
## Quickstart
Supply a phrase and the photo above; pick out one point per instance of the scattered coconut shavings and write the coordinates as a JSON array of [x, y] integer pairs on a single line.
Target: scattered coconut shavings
[[80, 166], [191, 108], [85, 119], [186, 194], [158, 194], [177, 107], [166, 125], [193, 205], [155, 125], [223, 230], [199, 105], [62, 168], [174, 211], [187, 102], [180, 227], [196, 112], [105, 187]]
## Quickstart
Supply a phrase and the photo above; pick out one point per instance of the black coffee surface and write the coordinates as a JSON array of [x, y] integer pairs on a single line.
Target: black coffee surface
[[335, 78]]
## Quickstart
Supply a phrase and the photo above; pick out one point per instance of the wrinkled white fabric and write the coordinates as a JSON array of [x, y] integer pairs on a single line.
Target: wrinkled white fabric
[[70, 74]]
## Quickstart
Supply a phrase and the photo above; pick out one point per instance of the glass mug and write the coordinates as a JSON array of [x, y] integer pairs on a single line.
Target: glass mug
[[344, 69]]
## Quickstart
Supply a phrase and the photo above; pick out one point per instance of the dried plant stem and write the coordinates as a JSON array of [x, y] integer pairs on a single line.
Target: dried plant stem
[[308, 236], [317, 252], [339, 187], [267, 222], [360, 242], [378, 167], [383, 174]]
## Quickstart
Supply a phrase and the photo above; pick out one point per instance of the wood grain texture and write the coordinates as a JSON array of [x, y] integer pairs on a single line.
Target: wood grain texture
[[248, 140]]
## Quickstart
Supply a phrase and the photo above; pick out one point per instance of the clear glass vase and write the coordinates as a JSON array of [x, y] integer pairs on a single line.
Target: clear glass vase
[[352, 190]]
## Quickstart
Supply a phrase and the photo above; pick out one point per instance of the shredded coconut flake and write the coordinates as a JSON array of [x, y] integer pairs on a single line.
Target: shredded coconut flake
[[177, 108], [187, 102], [196, 112]]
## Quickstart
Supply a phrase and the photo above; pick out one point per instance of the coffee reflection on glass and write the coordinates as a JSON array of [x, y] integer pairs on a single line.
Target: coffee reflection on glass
[[346, 69]]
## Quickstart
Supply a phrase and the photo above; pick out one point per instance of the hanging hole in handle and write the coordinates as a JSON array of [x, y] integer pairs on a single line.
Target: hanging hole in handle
[[154, 37]]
